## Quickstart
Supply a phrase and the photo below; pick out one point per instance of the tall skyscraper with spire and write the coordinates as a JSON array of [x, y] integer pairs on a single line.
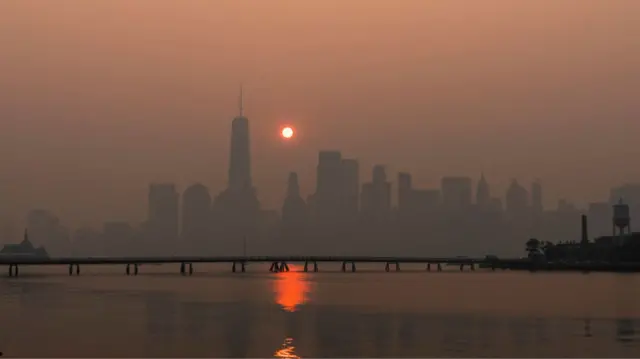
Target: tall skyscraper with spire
[[240, 156], [236, 209]]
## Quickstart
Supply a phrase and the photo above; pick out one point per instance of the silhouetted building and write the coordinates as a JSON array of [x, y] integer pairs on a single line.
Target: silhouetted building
[[294, 209], [376, 196], [405, 187], [162, 217], [328, 198], [483, 194], [517, 199], [536, 197], [23, 249], [236, 209], [196, 216], [240, 154], [351, 188], [456, 193]]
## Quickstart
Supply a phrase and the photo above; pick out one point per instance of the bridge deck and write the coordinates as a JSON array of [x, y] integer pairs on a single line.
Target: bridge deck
[[238, 259]]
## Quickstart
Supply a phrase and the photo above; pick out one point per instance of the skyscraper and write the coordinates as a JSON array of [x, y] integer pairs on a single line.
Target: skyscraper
[[236, 209], [162, 215], [196, 207], [536, 197], [376, 196], [351, 188], [328, 197], [294, 209], [240, 156], [483, 194], [404, 193], [516, 199]]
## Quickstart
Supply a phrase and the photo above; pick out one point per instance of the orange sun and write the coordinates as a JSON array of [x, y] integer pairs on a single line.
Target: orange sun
[[287, 132]]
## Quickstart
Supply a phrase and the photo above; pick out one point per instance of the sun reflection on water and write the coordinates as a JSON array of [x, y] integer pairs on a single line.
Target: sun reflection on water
[[287, 351], [291, 289]]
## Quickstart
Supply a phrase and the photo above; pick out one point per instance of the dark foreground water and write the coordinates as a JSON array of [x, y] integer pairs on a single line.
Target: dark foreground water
[[216, 313]]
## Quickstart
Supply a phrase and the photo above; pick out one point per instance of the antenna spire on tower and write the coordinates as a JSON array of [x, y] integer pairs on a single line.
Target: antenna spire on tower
[[241, 104]]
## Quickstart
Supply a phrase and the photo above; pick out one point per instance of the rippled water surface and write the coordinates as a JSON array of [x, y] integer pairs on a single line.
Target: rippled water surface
[[371, 313]]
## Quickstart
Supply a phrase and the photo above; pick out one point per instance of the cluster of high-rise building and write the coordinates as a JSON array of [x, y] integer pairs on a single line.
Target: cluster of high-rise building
[[342, 215]]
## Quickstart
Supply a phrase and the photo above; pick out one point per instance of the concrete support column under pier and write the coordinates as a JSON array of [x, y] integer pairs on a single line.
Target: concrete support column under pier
[[388, 265], [186, 268], [71, 269], [242, 267], [135, 269], [353, 266], [306, 266], [13, 270]]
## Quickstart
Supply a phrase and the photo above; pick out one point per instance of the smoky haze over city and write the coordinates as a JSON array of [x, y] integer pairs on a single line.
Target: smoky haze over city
[[433, 127]]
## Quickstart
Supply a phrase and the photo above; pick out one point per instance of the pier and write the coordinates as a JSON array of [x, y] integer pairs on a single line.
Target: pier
[[238, 264]]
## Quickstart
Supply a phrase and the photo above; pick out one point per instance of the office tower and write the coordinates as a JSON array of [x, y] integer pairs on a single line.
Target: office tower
[[376, 196], [236, 209], [196, 213], [404, 193], [240, 156], [329, 187], [536, 197], [162, 218], [456, 193], [294, 209], [483, 193], [517, 198], [351, 189], [425, 201]]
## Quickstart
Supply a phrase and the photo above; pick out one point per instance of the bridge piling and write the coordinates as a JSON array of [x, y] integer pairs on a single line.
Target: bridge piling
[[135, 269], [388, 265], [13, 270], [73, 266], [428, 267], [306, 266]]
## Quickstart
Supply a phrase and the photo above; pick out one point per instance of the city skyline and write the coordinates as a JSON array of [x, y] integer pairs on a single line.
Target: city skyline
[[88, 119], [345, 211]]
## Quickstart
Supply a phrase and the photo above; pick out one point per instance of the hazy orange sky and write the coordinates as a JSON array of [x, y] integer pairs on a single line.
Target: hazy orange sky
[[100, 97]]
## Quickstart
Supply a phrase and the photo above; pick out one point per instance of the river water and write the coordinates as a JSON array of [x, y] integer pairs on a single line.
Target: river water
[[371, 313]]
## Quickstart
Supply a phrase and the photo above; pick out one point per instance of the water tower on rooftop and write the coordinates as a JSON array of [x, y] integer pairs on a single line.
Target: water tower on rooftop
[[621, 220]]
